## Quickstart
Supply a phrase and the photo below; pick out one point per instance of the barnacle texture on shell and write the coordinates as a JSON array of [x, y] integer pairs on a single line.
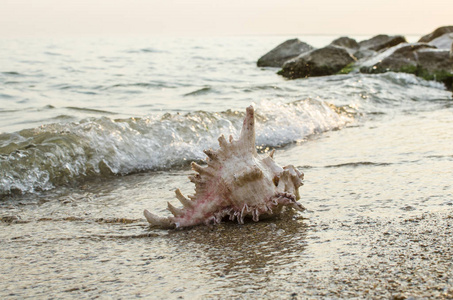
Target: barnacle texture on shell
[[236, 183]]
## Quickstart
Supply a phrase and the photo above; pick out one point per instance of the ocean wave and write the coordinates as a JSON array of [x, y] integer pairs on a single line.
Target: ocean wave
[[153, 84], [90, 110], [405, 79], [48, 156], [12, 73], [203, 91], [359, 164]]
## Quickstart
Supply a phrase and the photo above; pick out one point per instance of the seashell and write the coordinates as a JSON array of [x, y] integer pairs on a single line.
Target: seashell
[[236, 183]]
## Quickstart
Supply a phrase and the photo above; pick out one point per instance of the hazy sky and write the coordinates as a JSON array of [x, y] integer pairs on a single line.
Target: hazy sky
[[221, 17]]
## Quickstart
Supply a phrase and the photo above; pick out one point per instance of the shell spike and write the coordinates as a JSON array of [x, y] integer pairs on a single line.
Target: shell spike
[[248, 129], [184, 201], [196, 178], [211, 154], [223, 142], [271, 154], [242, 214], [156, 220], [255, 215], [298, 206], [175, 211], [202, 170]]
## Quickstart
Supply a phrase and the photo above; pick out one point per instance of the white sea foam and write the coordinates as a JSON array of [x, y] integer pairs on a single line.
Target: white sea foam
[[58, 154]]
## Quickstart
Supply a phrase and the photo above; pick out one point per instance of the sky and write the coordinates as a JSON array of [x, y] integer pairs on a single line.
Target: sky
[[221, 17]]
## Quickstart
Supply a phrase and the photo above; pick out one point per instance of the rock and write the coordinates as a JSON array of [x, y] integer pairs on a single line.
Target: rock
[[451, 52], [401, 58], [443, 42], [421, 59], [283, 52], [346, 42], [364, 53], [435, 64], [436, 33], [320, 62], [380, 42], [349, 44]]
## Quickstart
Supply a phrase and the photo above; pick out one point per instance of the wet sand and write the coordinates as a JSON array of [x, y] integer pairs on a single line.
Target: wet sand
[[397, 258], [286, 258]]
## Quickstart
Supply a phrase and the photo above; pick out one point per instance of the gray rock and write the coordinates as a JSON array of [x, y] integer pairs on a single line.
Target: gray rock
[[436, 33], [320, 62], [434, 63], [349, 44], [443, 42], [368, 48], [421, 59], [364, 53], [283, 52], [346, 42], [451, 52], [381, 42], [401, 58]]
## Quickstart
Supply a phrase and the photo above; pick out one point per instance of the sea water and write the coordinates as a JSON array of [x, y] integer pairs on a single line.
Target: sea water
[[94, 130]]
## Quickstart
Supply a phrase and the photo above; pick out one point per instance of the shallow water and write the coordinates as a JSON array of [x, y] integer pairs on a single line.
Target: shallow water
[[375, 149]]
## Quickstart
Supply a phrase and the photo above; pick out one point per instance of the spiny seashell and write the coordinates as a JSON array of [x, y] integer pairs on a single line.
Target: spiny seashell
[[236, 183]]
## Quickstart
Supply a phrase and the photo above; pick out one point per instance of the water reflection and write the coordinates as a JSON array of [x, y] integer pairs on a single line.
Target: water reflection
[[244, 257]]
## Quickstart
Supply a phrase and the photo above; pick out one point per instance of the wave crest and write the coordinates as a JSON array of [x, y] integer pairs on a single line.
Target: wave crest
[[51, 155]]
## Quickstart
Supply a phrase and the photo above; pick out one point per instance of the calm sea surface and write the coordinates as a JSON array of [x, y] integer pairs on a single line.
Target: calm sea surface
[[94, 130]]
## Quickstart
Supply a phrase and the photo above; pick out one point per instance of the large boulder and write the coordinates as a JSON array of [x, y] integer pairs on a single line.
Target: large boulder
[[345, 42], [380, 42], [320, 62], [421, 59], [401, 58], [435, 64], [443, 42], [436, 33], [349, 44], [283, 52]]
